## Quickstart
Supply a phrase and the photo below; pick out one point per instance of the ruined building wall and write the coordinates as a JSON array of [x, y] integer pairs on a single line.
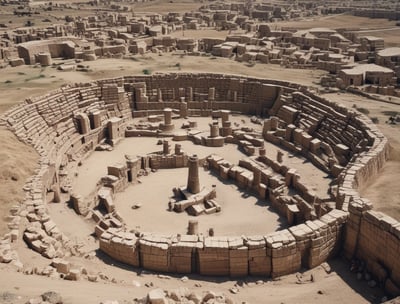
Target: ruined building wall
[[273, 255], [203, 92]]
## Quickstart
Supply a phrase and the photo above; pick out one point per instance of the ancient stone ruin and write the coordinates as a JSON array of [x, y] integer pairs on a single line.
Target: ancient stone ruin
[[67, 124]]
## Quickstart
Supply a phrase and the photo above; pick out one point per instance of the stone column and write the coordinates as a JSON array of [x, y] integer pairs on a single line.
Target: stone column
[[193, 227], [189, 94], [235, 96], [159, 95], [211, 94], [57, 194], [96, 115], [183, 109], [256, 178], [225, 115], [167, 116], [181, 92], [166, 147], [266, 126], [214, 129], [279, 156], [178, 149], [193, 183], [274, 123], [167, 125]]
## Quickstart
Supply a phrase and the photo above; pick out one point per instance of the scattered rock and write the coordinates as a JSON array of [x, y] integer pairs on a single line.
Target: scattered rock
[[229, 301], [162, 276], [184, 279], [157, 296], [234, 290], [326, 267], [7, 296], [209, 295], [47, 271], [61, 265], [37, 300], [92, 277], [73, 275], [195, 298], [18, 265], [52, 297], [136, 283], [136, 206], [179, 294]]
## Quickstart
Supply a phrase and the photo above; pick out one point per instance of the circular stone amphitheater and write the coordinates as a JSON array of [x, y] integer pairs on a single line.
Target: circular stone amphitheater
[[213, 174]]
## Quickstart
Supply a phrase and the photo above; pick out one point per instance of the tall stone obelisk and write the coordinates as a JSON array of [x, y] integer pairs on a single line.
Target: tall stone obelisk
[[193, 183]]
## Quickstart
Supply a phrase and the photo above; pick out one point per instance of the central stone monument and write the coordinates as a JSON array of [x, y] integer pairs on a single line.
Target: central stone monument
[[192, 198], [193, 182]]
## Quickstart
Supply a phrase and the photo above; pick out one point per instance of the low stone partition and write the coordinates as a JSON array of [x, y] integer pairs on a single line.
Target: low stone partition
[[272, 255], [67, 124], [269, 179]]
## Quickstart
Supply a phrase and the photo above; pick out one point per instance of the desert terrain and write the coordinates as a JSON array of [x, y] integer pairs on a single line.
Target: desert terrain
[[333, 283]]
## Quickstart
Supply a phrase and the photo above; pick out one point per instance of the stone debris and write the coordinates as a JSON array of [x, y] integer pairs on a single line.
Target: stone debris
[[49, 297]]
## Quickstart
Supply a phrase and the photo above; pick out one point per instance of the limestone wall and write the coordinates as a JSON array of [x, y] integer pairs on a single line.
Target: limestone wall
[[374, 238], [274, 254]]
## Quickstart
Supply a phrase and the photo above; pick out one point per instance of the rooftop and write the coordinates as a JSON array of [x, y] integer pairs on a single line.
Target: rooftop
[[388, 52], [363, 68]]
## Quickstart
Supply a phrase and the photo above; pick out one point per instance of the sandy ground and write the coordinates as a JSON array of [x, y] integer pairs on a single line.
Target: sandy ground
[[18, 162], [288, 289], [241, 213], [338, 21]]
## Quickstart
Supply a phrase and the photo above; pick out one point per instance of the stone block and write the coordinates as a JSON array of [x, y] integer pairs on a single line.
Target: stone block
[[157, 296]]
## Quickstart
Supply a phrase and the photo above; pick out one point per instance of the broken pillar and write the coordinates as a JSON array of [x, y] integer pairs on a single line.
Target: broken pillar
[[214, 129]]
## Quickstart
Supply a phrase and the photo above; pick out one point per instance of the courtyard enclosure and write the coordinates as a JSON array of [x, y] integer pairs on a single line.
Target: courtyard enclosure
[[68, 123]]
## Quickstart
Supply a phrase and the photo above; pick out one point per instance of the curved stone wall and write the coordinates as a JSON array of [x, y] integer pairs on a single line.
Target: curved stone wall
[[68, 123]]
